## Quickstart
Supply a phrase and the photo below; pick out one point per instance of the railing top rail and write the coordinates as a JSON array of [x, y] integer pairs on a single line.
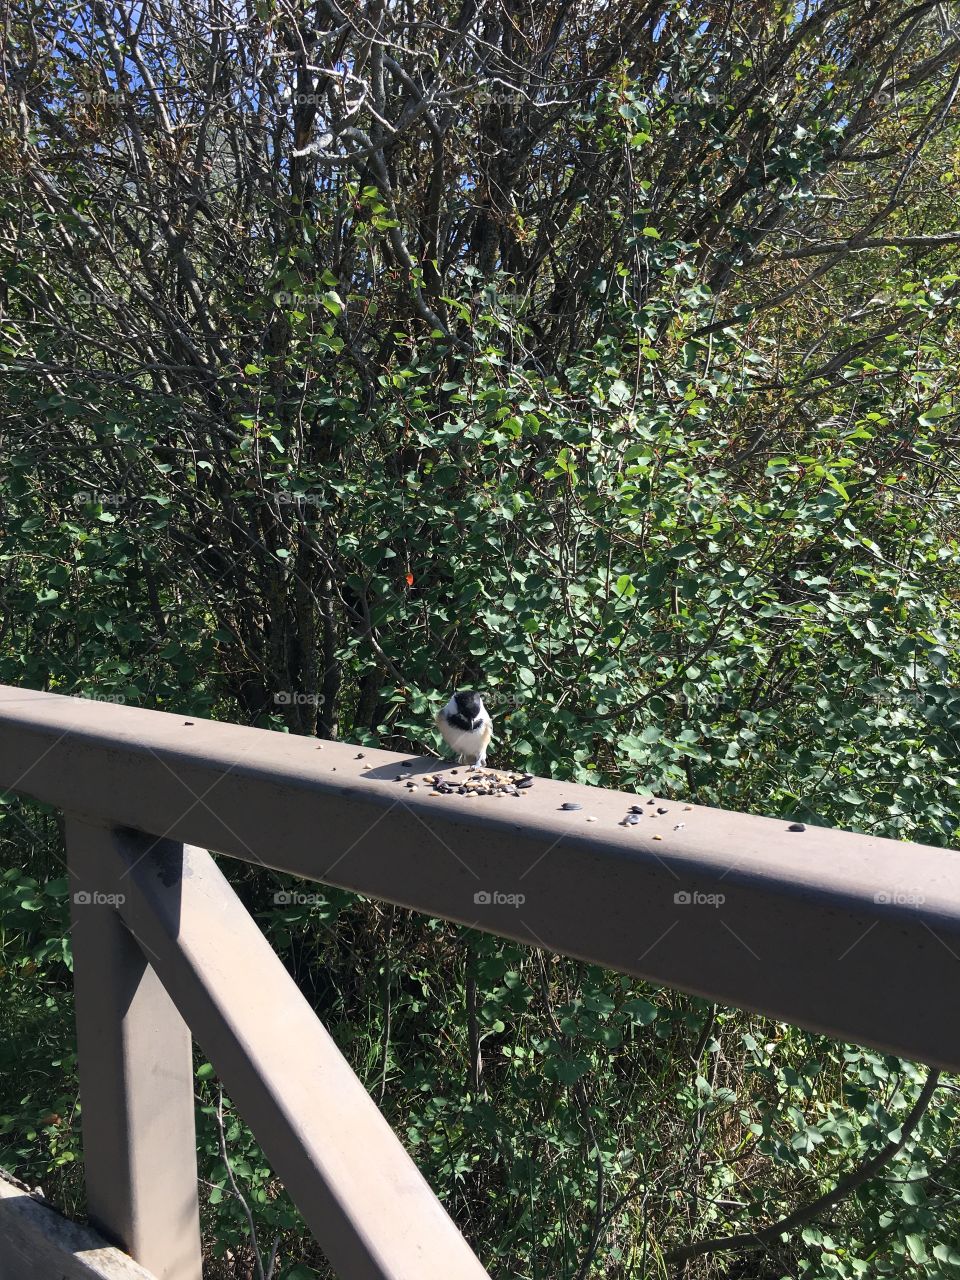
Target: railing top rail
[[848, 934]]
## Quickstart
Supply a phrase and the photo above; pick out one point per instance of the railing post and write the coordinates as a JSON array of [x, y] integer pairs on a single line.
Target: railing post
[[136, 1074]]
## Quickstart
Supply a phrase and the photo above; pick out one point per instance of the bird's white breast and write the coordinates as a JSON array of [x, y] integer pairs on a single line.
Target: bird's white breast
[[466, 740]]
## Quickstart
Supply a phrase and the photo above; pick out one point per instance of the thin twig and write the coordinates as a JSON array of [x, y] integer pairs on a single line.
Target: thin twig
[[806, 1213]]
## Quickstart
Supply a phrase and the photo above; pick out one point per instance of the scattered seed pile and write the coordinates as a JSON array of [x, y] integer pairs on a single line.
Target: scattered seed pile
[[471, 782], [467, 781], [637, 812]]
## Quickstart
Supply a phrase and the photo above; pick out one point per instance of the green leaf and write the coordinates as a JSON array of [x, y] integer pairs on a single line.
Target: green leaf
[[641, 1010], [917, 1247]]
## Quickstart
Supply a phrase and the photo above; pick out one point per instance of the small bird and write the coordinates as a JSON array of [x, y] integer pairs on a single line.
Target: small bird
[[466, 727]]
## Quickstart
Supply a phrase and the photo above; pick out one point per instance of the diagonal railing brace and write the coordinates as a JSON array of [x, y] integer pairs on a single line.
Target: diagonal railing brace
[[367, 1204]]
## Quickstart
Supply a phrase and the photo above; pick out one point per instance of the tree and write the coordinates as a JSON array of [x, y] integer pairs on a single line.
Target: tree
[[251, 253]]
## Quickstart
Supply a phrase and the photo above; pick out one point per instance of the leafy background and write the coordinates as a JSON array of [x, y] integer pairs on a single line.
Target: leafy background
[[602, 357]]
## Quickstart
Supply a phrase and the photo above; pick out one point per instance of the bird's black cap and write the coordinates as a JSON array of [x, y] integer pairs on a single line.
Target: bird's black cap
[[468, 701]]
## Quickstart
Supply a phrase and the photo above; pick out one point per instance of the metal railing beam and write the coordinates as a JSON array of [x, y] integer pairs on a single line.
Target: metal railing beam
[[851, 935], [136, 1075]]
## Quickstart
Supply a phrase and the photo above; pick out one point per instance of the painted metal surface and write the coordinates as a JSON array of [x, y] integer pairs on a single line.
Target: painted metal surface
[[369, 1207], [136, 1075], [851, 935]]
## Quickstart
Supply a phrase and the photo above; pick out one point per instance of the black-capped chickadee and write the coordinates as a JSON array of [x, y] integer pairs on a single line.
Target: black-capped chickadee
[[466, 727]]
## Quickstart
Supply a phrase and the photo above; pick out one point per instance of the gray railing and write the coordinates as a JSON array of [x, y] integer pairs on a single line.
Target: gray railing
[[851, 935]]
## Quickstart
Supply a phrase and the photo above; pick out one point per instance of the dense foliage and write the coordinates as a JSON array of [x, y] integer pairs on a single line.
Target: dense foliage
[[600, 356]]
